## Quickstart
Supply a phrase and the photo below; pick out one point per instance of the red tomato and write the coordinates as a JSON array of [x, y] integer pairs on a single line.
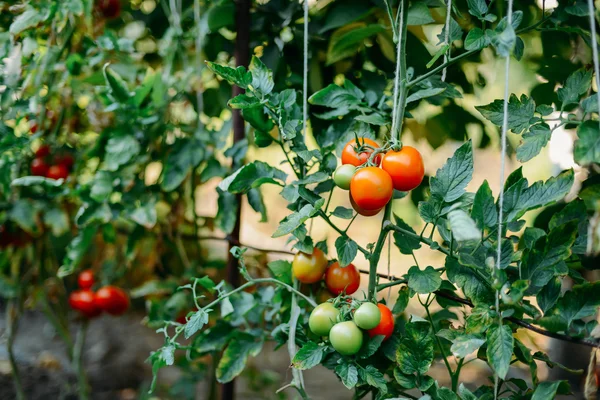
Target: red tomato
[[57, 172], [33, 126], [340, 280], [350, 156], [85, 280], [84, 302], [112, 299], [65, 159], [371, 188], [43, 151], [39, 167], [109, 8], [362, 211], [405, 167], [386, 325]]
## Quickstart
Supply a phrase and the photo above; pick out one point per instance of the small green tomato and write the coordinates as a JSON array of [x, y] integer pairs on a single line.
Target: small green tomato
[[346, 338], [323, 318], [343, 175], [367, 316]]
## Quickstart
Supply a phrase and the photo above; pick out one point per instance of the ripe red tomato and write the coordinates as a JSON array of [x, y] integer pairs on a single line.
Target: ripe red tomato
[[350, 156], [386, 324], [43, 151], [57, 172], [340, 280], [405, 167], [371, 188], [39, 167], [362, 211], [112, 299], [84, 302], [309, 268], [110, 8], [85, 280], [65, 159], [33, 127]]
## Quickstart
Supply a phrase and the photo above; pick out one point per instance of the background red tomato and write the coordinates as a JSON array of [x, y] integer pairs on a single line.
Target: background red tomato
[[340, 280], [43, 151], [58, 172], [85, 280], [84, 302], [350, 156], [386, 325], [112, 299], [405, 167], [39, 167]]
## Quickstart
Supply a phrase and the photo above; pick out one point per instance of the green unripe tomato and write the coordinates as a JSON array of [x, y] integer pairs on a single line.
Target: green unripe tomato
[[346, 338], [367, 316], [343, 175], [323, 318]]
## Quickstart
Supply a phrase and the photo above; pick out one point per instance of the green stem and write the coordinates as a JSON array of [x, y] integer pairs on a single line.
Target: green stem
[[297, 380], [437, 339], [341, 232], [78, 361], [456, 376], [431, 243], [12, 322], [374, 258], [440, 67], [390, 284]]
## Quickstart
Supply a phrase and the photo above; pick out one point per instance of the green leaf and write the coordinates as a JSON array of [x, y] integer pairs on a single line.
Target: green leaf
[[424, 281], [422, 94], [30, 18], [577, 84], [144, 89], [334, 96], [545, 390], [401, 301], [76, 250], [227, 211], [500, 348], [463, 345], [405, 243], [120, 150], [589, 104], [533, 142], [504, 41], [579, 302], [465, 394], [293, 221], [236, 355], [520, 112], [185, 155], [549, 294], [469, 281], [195, 323], [281, 270], [309, 356], [220, 15], [348, 374], [236, 76], [167, 354], [346, 250], [462, 226], [262, 77], [373, 119], [415, 352], [251, 176], [26, 181], [345, 43], [101, 186], [256, 201], [374, 378], [118, 87], [244, 101], [418, 14], [477, 8], [476, 39], [451, 180], [58, 221], [484, 210], [343, 212], [455, 32], [145, 215], [587, 146], [24, 215]]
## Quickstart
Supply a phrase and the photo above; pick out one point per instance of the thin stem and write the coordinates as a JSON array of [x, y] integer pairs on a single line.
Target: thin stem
[[351, 221], [431, 243], [374, 258], [440, 67], [456, 376], [341, 232], [78, 361], [12, 321], [437, 339], [298, 379]]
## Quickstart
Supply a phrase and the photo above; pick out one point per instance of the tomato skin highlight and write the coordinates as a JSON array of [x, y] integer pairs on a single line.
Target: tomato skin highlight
[[323, 318], [340, 280], [371, 188], [84, 302], [57, 172], [343, 175], [85, 280], [346, 338], [350, 156], [112, 299], [39, 167], [362, 211], [405, 167], [367, 316], [309, 268], [386, 324]]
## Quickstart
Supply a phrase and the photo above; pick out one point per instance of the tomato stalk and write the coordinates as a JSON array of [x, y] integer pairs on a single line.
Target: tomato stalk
[[78, 360], [12, 322]]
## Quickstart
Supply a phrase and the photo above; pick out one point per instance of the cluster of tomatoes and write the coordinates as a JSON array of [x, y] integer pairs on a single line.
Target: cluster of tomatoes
[[372, 187], [51, 166], [90, 304], [312, 268], [347, 335]]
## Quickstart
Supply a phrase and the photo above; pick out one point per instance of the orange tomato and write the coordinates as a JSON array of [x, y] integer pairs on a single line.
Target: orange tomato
[[340, 280], [361, 211], [405, 167], [350, 156], [371, 188], [309, 268], [386, 324]]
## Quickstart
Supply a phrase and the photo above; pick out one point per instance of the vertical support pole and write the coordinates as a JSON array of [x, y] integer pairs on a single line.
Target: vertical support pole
[[242, 57]]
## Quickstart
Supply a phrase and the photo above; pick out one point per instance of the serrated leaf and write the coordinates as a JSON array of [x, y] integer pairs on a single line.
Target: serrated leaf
[[477, 8], [424, 281], [281, 270], [343, 212], [120, 150], [415, 352], [309, 356], [476, 39], [195, 323], [346, 250], [462, 226], [405, 243], [226, 211], [587, 146], [251, 176], [500, 348], [520, 112], [236, 355], [577, 84], [30, 18], [451, 180], [293, 221], [374, 378], [237, 76], [118, 87], [348, 374], [463, 345], [418, 14], [76, 250], [348, 40], [167, 354], [533, 142], [402, 301], [244, 101], [484, 210], [262, 77], [470, 282], [545, 390], [422, 94]]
